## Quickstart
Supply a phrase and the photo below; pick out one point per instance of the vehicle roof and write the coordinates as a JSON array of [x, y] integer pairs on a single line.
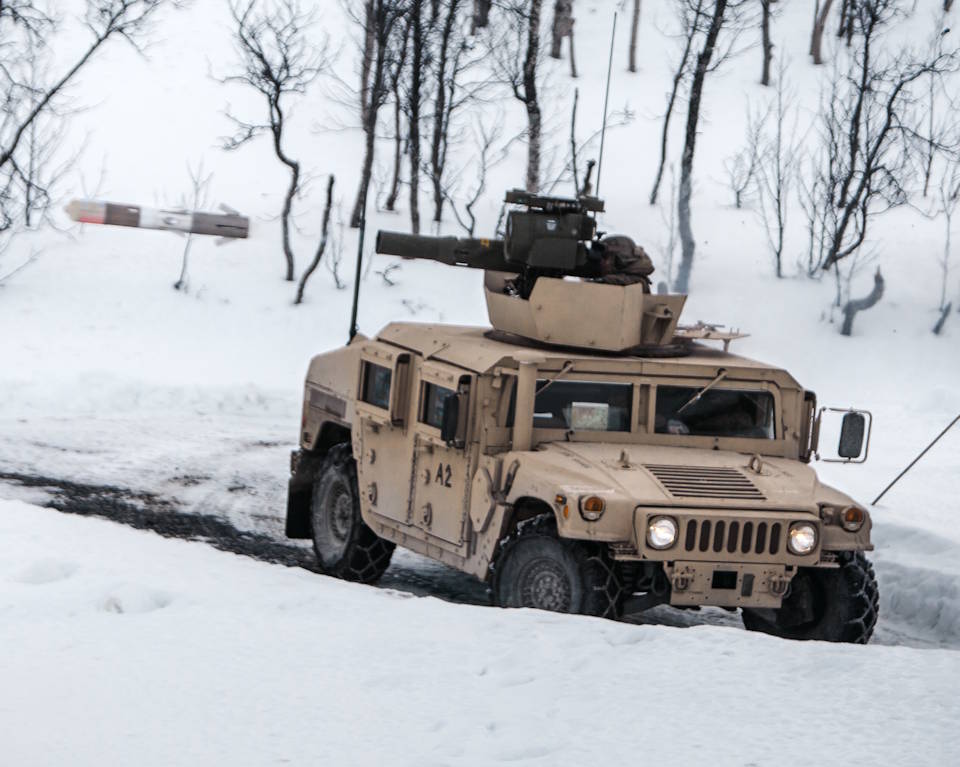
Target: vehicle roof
[[470, 348]]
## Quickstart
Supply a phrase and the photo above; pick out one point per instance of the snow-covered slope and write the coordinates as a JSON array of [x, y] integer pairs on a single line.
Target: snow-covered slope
[[124, 648]]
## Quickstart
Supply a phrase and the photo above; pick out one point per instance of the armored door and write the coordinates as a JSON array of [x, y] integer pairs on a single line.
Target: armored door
[[442, 467], [382, 443]]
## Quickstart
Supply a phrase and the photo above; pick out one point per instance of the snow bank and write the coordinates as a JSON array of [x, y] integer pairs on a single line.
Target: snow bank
[[125, 648]]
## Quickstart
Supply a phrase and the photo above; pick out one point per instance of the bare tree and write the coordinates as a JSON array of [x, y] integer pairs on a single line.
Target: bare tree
[[742, 167], [776, 171], [276, 59], [873, 131], [766, 40], [562, 27], [453, 60], [378, 60], [199, 199], [949, 193], [701, 67], [487, 156], [399, 136], [34, 84], [481, 15], [690, 16], [324, 234], [819, 24], [634, 36], [516, 56], [854, 306], [419, 49]]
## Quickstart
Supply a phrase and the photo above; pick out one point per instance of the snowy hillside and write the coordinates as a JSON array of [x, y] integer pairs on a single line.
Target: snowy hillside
[[119, 394]]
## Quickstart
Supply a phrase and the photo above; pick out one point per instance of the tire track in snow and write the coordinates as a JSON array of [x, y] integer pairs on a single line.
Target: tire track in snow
[[931, 622]]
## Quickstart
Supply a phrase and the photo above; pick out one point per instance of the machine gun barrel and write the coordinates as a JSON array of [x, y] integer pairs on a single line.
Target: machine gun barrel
[[455, 251]]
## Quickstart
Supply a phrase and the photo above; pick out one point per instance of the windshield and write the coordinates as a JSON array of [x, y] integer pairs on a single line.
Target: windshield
[[718, 412], [583, 405]]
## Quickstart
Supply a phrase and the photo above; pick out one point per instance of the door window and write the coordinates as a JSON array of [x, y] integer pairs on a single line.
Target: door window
[[376, 385]]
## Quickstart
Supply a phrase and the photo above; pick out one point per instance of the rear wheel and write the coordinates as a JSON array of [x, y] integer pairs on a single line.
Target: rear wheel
[[537, 569], [344, 545], [832, 605]]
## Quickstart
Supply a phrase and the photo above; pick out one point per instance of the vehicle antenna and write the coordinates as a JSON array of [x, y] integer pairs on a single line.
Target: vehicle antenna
[[606, 100], [356, 280]]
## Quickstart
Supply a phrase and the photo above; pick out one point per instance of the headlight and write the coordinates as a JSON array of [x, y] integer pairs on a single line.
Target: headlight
[[592, 507], [852, 518], [802, 538], [662, 532]]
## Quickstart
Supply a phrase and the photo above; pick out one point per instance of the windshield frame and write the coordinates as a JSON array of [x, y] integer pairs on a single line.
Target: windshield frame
[[643, 414]]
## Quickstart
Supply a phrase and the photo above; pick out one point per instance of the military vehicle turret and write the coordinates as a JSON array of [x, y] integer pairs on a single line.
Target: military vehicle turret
[[586, 453]]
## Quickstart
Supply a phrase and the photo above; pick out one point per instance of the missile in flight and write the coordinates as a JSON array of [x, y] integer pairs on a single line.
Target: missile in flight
[[227, 224]]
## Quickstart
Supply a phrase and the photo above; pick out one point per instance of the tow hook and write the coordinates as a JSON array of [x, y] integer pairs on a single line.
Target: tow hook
[[779, 585], [680, 581]]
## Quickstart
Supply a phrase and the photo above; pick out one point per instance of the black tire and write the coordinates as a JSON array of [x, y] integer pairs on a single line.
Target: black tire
[[534, 568], [832, 605], [345, 547]]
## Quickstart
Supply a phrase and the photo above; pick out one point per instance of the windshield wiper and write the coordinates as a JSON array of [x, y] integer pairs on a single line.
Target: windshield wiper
[[696, 397], [567, 367]]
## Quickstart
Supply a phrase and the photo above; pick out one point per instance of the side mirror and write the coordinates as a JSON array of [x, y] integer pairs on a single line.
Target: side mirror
[[852, 432], [855, 426], [450, 421]]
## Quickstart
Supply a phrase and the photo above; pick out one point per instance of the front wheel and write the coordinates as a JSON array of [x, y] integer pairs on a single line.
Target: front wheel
[[832, 605], [537, 569], [344, 545]]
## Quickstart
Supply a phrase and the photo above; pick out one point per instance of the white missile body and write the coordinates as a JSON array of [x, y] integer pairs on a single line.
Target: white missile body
[[228, 224]]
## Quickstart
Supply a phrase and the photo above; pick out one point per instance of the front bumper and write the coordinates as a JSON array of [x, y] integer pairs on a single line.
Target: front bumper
[[727, 585]]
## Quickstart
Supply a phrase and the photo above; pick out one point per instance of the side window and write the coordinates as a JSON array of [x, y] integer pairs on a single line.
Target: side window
[[431, 404], [376, 385]]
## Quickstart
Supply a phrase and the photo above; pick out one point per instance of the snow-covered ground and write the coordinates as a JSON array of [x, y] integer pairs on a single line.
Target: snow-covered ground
[[123, 646]]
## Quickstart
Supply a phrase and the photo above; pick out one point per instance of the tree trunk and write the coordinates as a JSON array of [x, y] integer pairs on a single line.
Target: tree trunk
[[285, 218], [860, 304], [481, 15], [416, 81], [687, 241], [441, 112], [767, 42], [369, 44], [321, 247], [634, 34], [816, 40], [366, 171], [671, 102], [944, 313], [391, 202], [534, 120], [573, 58], [556, 31]]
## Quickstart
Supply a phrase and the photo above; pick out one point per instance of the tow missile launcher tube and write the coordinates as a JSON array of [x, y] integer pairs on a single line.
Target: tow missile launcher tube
[[455, 251]]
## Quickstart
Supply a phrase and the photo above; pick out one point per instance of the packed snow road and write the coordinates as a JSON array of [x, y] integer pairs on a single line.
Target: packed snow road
[[920, 607]]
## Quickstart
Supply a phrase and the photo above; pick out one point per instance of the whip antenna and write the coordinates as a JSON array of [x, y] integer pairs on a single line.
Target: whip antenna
[[606, 100]]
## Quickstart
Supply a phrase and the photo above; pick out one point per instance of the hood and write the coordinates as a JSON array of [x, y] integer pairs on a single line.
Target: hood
[[672, 476]]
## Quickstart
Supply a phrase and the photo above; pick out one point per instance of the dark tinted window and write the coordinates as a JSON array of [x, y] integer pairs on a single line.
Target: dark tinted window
[[432, 409], [718, 413], [376, 385], [583, 405]]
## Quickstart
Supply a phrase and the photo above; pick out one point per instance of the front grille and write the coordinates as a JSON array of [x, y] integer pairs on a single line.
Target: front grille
[[733, 536], [705, 482]]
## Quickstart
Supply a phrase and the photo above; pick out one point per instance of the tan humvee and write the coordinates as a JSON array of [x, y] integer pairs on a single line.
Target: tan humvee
[[550, 460]]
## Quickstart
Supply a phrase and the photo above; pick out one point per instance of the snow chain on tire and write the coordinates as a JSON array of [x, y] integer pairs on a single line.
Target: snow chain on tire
[[851, 608], [602, 588], [365, 555]]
